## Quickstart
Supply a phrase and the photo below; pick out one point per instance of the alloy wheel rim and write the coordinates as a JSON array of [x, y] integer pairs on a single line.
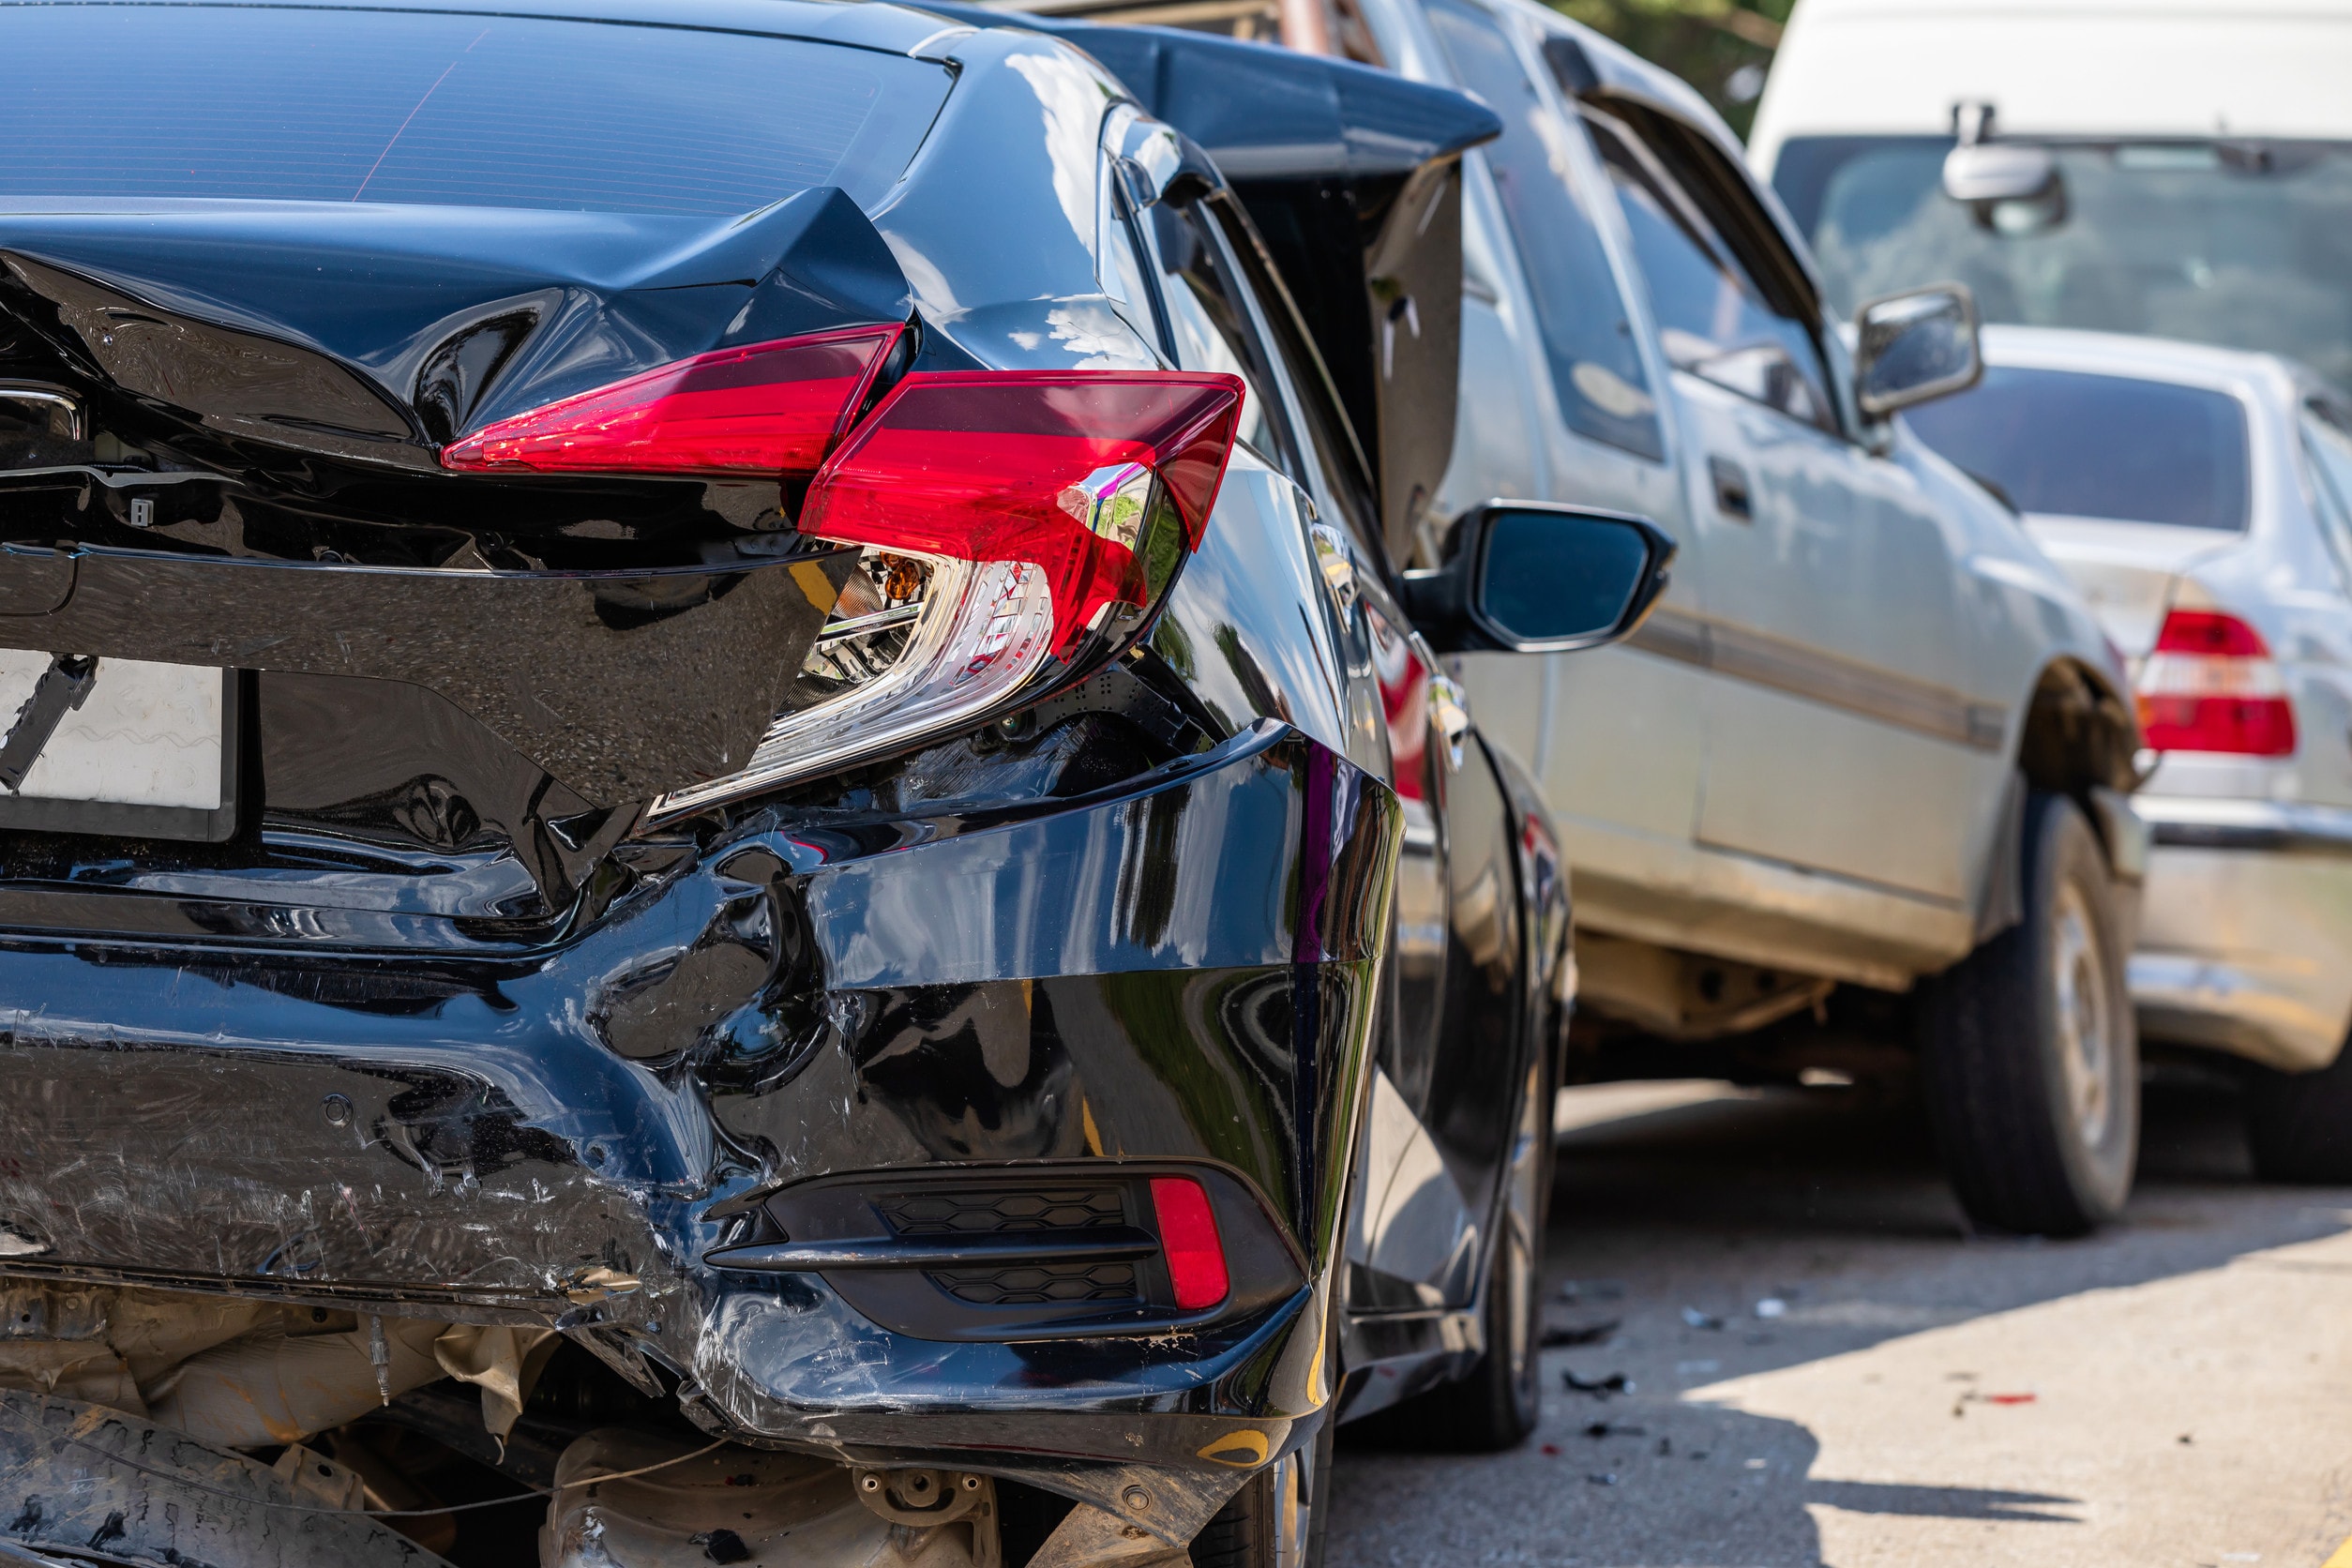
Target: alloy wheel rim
[[2085, 1035], [1294, 1507]]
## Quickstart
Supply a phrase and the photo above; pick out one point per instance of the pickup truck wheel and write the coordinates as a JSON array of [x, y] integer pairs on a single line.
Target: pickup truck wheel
[[2299, 1125], [1278, 1517], [2028, 1050]]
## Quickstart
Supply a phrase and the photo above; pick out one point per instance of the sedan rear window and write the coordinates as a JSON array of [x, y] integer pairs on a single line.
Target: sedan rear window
[[2076, 445], [177, 102]]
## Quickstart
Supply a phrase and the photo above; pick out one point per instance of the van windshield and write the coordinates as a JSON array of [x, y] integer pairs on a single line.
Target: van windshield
[[2245, 244], [2070, 443]]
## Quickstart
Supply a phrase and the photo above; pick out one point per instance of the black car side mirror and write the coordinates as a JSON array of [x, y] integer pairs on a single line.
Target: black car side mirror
[[1530, 577]]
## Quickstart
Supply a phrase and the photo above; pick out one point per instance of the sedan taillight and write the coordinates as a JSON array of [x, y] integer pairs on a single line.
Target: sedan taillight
[[1018, 527], [766, 409], [2212, 686]]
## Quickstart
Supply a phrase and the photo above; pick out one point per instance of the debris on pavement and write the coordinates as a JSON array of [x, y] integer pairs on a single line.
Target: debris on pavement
[[1771, 1306], [1699, 1320], [1600, 1388], [1614, 1429], [1959, 1406], [1581, 1334], [1599, 1289], [1603, 1478]]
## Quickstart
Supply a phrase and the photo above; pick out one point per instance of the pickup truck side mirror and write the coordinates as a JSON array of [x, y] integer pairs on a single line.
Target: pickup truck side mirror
[[1530, 577], [1915, 346]]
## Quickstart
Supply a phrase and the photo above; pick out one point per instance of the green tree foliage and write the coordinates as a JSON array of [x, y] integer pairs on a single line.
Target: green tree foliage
[[1721, 47]]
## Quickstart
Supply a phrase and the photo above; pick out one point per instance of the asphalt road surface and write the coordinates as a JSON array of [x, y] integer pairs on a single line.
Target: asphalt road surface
[[2175, 1390]]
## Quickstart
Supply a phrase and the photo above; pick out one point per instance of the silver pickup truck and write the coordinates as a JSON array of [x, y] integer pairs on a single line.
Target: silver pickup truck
[[1863, 775]]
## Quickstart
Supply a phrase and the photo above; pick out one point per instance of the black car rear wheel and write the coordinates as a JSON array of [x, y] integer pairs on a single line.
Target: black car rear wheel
[[2028, 1050], [1499, 1401], [1279, 1518]]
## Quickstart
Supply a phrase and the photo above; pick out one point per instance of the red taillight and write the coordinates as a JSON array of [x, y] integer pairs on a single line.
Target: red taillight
[[1189, 1241], [1056, 467], [770, 409], [2211, 685], [1020, 525]]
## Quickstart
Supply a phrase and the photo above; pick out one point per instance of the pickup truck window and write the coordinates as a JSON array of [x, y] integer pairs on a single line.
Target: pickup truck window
[[1713, 318], [1587, 335]]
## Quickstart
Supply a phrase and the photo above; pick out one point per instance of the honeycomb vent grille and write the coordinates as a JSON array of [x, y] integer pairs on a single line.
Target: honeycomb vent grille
[[942, 1212], [1040, 1284]]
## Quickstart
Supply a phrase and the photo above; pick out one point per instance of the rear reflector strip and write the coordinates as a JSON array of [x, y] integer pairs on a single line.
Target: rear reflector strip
[[2211, 685], [1188, 1239], [772, 409]]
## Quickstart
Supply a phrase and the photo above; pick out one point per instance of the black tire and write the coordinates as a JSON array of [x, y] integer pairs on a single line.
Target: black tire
[[2299, 1125], [1494, 1405], [1262, 1526], [67, 1468], [2029, 1056]]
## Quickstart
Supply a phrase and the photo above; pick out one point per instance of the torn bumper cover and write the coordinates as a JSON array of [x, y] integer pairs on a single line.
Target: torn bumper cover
[[943, 1056]]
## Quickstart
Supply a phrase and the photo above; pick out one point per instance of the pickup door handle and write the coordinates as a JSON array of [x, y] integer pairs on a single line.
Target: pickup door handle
[[1731, 488]]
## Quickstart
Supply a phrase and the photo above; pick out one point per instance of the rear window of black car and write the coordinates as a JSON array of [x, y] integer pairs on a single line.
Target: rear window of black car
[[2076, 444], [176, 102]]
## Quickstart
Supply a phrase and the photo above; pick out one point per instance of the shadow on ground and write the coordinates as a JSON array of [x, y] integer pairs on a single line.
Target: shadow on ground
[[1725, 1233]]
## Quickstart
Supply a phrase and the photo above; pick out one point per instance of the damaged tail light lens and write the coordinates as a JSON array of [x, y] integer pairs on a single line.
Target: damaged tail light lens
[[1060, 470], [1019, 526], [2212, 686], [766, 409]]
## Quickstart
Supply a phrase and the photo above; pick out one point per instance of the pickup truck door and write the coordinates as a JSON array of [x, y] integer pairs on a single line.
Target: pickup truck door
[[1840, 734], [1612, 735]]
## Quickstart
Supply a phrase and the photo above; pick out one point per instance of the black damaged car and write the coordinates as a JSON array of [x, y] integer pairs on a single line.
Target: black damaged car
[[730, 831]]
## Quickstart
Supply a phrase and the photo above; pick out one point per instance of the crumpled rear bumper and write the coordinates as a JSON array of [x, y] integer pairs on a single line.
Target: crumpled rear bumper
[[1177, 969], [2246, 929]]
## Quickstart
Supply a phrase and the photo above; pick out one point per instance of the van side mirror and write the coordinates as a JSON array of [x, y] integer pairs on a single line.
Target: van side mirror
[[1530, 577], [1914, 346]]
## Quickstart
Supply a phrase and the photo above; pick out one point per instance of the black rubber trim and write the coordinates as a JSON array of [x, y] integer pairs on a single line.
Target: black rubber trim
[[1095, 1244]]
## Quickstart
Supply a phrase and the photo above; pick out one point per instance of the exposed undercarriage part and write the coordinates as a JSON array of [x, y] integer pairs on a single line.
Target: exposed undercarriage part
[[154, 1427], [1650, 1012], [1687, 996]]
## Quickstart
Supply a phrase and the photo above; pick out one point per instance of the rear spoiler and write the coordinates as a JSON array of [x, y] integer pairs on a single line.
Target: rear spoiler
[[1352, 178]]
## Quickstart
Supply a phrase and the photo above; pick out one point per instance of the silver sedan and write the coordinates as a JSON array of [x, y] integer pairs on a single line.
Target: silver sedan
[[2202, 498]]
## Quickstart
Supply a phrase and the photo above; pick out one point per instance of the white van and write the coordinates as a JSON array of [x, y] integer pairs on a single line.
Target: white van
[[2199, 155]]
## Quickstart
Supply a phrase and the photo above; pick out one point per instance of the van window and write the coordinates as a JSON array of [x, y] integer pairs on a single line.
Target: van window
[[144, 103], [2247, 243], [1713, 319], [1588, 335], [2073, 444]]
